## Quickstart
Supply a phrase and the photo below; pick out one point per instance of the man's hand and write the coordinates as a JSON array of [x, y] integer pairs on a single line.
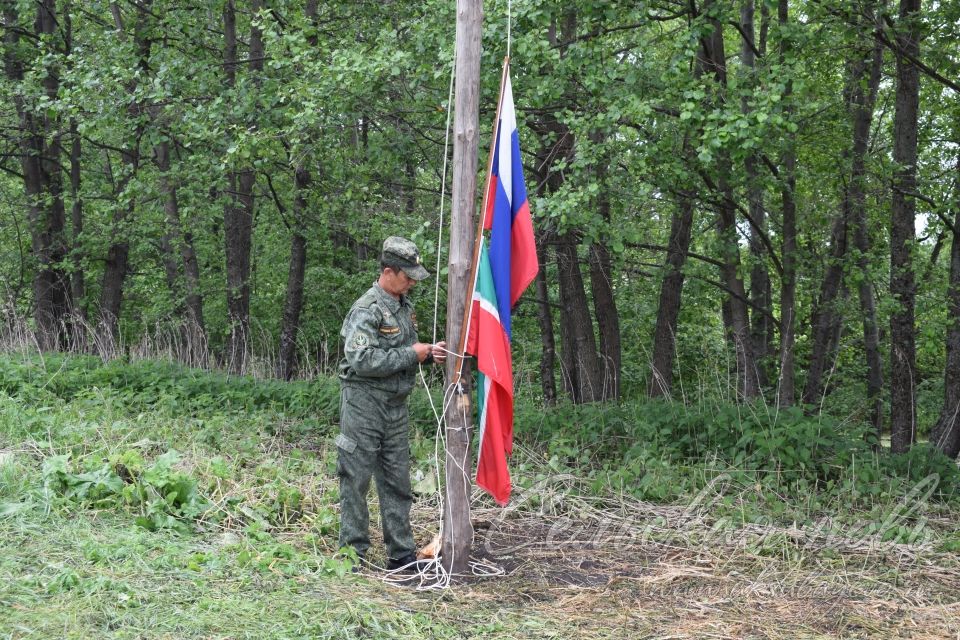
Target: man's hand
[[423, 350], [439, 352]]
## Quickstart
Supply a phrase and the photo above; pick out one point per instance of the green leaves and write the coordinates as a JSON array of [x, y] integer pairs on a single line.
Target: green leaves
[[99, 486], [167, 498]]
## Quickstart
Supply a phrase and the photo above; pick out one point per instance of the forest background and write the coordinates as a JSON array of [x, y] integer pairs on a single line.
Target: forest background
[[746, 216]]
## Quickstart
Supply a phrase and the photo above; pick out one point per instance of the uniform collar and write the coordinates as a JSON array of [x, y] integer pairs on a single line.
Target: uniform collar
[[388, 300]]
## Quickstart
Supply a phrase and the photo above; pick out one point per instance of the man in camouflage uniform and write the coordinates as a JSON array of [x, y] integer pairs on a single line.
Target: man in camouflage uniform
[[377, 373]]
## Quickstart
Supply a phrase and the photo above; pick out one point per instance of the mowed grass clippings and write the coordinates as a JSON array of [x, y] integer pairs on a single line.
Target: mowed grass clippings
[[93, 577], [255, 556]]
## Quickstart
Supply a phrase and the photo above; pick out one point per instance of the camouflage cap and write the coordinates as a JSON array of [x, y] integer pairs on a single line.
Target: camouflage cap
[[402, 253]]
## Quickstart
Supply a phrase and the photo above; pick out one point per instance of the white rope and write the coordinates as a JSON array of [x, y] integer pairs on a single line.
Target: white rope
[[509, 24], [443, 192], [430, 574], [453, 353]]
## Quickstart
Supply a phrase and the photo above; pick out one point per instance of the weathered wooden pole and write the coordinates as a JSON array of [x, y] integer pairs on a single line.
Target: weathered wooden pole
[[457, 532]]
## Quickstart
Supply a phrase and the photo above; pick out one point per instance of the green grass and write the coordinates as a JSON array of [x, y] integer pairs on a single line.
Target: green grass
[[96, 576], [146, 500]]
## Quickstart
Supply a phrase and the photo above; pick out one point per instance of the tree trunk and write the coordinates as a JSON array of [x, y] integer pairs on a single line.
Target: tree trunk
[[748, 386], [665, 334], [861, 101], [786, 386], [568, 345], [179, 255], [169, 237], [238, 231], [118, 255], [671, 287], [604, 303], [748, 383], [761, 293], [608, 320], [581, 371], [902, 331], [825, 313], [78, 337], [39, 148], [115, 266], [196, 327], [238, 213], [548, 355], [946, 432], [293, 304], [410, 197], [77, 322], [861, 92], [53, 279], [111, 297], [576, 327]]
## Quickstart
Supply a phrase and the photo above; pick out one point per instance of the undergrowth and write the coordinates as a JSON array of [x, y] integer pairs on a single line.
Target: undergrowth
[[659, 450], [163, 385]]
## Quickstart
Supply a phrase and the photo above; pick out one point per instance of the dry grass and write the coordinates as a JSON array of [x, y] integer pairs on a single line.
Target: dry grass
[[616, 567], [175, 339], [667, 574]]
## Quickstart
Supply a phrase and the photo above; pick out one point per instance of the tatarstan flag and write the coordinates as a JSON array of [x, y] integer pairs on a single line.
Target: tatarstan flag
[[502, 275]]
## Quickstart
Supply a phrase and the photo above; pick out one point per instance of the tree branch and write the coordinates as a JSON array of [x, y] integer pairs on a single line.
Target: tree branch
[[689, 254], [753, 223], [879, 35], [749, 41], [282, 210]]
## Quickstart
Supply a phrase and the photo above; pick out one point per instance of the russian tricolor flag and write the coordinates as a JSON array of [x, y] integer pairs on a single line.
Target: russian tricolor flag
[[503, 273]]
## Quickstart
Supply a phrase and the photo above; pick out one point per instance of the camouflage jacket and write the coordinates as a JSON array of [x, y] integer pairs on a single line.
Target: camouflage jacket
[[378, 334]]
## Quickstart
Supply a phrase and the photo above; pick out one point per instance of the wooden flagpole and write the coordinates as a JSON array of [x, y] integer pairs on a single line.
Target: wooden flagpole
[[457, 533]]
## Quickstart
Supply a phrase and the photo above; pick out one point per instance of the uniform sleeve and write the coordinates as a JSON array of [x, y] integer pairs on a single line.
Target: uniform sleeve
[[362, 350]]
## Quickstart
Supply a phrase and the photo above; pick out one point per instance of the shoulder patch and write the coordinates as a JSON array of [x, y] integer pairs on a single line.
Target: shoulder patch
[[360, 339]]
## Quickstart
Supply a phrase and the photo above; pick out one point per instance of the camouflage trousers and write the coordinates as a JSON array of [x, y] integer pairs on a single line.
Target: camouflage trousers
[[374, 441]]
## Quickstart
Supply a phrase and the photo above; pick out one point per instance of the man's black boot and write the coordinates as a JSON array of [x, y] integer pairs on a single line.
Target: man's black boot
[[407, 564]]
